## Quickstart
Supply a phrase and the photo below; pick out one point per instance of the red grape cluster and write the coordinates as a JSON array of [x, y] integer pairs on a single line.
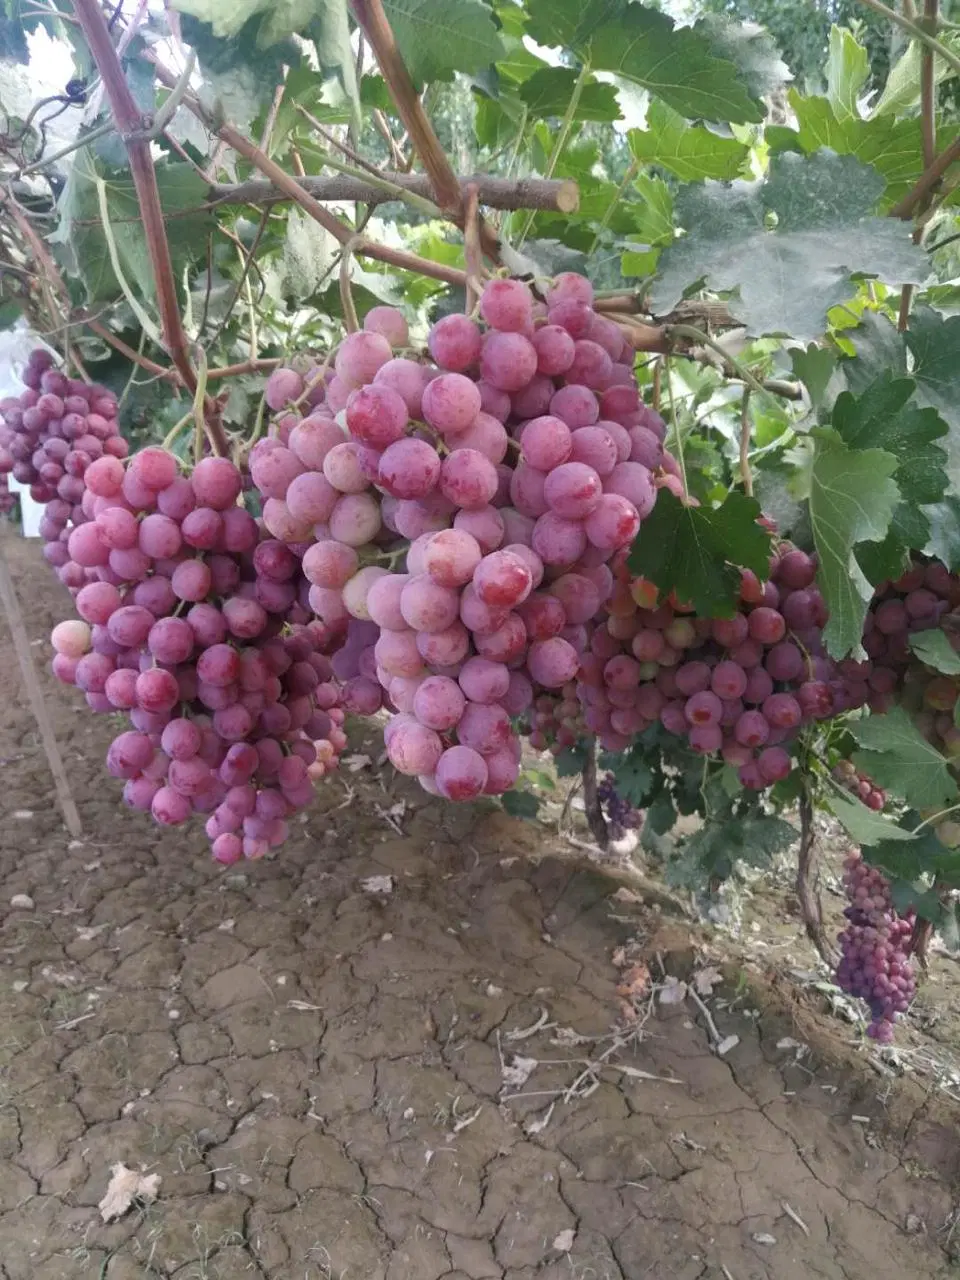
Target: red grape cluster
[[8, 499], [555, 720], [49, 436], [858, 784], [195, 624], [874, 963], [510, 472], [621, 816], [741, 686]]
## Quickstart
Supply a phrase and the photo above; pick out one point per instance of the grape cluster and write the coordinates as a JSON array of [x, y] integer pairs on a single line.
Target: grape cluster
[[49, 436], [741, 686], [506, 475], [874, 963], [195, 624], [555, 720], [860, 785], [8, 499], [621, 816]]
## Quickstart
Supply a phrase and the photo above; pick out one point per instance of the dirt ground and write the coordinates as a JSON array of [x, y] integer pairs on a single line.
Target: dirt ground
[[329, 1059]]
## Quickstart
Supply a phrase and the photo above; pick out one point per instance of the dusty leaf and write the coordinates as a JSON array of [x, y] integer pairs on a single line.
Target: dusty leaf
[[673, 991], [126, 1186], [518, 1071]]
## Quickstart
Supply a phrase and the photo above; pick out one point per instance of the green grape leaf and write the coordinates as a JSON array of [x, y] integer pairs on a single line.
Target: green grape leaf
[[440, 37], [935, 650], [902, 90], [718, 846], [688, 151], [893, 147], [698, 552], [898, 758], [924, 854], [944, 542], [633, 777], [879, 350], [791, 275], [864, 826], [852, 499], [279, 19], [814, 366], [547, 93], [570, 761], [883, 417], [661, 816], [848, 69], [750, 48], [182, 192], [520, 804], [642, 46], [238, 76]]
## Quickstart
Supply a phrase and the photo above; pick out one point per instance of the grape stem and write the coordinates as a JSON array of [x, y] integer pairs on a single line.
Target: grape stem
[[473, 252], [21, 643], [560, 142], [350, 321], [199, 401], [746, 476], [591, 800], [698, 335], [677, 439], [917, 30], [807, 895]]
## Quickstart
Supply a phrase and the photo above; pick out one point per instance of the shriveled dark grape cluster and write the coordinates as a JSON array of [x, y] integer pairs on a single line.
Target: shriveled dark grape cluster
[[620, 814], [875, 964], [859, 784]]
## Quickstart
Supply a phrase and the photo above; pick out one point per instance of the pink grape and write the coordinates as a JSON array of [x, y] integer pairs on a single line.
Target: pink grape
[[507, 305], [484, 524], [613, 523], [390, 322], [502, 580], [552, 662], [508, 360], [572, 490], [154, 468], [468, 479], [359, 356], [455, 342], [484, 681], [451, 403], [576, 405], [409, 469], [546, 442], [427, 606], [377, 416], [438, 703], [460, 773], [485, 727], [451, 557], [414, 749], [487, 436], [766, 625], [555, 350]]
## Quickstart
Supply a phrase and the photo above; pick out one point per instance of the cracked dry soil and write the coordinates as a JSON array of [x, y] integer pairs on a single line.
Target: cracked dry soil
[[315, 1070]]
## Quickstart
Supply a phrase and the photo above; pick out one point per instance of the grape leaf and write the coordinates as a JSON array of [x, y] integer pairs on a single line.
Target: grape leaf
[[750, 48], [643, 46], [698, 551], [791, 275], [944, 543], [688, 151], [520, 804], [893, 147], [897, 757], [547, 93], [238, 75], [661, 816], [181, 190], [814, 366], [884, 418], [863, 825], [633, 777], [570, 761], [848, 69], [902, 90], [852, 499], [440, 37], [719, 845], [278, 18], [879, 349], [935, 650]]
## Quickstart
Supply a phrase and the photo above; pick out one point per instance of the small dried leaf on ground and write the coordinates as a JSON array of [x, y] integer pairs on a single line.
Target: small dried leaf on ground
[[634, 982], [125, 1187], [377, 884], [705, 980], [673, 991], [564, 1241], [518, 1071]]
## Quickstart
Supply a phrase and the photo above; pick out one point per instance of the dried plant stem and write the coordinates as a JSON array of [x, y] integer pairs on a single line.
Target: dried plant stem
[[21, 643]]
